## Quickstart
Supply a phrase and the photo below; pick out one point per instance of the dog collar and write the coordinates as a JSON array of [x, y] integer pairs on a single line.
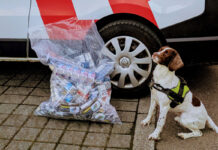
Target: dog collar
[[176, 94]]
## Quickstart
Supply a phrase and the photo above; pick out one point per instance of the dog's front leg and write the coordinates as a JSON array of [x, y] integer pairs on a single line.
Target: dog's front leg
[[160, 124], [147, 120]]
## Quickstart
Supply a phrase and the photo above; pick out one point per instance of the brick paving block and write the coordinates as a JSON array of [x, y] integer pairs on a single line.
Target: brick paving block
[[92, 148], [56, 124], [35, 100], [21, 76], [116, 149], [141, 135], [44, 146], [125, 128], [24, 110], [18, 145], [125, 105], [144, 104], [126, 116], [99, 127], [3, 81], [49, 135], [41, 92], [67, 147], [6, 75], [29, 134], [7, 108], [36, 76], [44, 84], [7, 132], [29, 83], [141, 148], [12, 99], [2, 88], [3, 143], [73, 137], [3, 117], [96, 139], [15, 120], [47, 76], [119, 141], [36, 122], [19, 90], [14, 82], [78, 126], [120, 99]]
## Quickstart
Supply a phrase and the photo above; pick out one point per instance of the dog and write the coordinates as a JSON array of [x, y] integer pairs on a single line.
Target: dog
[[166, 93]]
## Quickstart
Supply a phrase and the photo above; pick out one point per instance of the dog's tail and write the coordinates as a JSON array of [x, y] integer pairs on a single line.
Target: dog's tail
[[211, 124]]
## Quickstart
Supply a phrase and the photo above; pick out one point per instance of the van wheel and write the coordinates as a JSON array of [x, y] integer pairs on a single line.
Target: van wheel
[[130, 45]]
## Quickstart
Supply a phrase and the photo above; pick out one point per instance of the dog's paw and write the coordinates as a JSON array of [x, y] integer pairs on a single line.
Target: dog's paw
[[154, 136], [182, 135], [217, 130], [145, 122], [177, 119]]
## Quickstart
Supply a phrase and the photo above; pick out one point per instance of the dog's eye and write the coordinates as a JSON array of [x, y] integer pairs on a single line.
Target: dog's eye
[[166, 52]]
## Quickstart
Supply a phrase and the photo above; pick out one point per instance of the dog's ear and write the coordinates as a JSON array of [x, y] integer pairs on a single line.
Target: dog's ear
[[176, 62]]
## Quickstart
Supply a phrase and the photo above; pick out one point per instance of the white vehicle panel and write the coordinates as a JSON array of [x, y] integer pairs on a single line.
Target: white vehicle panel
[[170, 12], [92, 9], [14, 19], [36, 20]]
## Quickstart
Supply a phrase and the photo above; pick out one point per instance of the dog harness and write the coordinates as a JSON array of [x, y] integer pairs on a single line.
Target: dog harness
[[176, 94]]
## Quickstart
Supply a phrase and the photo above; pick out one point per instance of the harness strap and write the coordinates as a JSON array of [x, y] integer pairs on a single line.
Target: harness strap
[[176, 95]]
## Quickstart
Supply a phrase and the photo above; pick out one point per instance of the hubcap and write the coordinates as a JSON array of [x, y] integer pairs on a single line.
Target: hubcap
[[132, 61], [125, 62]]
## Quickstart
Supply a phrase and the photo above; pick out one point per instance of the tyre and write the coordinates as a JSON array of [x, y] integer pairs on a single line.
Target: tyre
[[130, 45]]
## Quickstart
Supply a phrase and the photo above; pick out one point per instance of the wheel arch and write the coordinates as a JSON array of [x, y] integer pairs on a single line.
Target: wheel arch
[[122, 16]]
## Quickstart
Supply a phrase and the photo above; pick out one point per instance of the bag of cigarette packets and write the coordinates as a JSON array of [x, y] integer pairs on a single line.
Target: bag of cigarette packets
[[80, 83]]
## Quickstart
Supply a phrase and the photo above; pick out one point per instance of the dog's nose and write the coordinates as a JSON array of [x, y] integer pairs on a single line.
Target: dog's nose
[[154, 54]]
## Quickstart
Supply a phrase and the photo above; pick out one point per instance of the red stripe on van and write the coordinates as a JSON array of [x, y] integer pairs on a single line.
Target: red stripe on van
[[55, 10], [137, 7]]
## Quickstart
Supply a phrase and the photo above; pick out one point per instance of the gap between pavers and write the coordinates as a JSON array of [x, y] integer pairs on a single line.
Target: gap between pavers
[[140, 141]]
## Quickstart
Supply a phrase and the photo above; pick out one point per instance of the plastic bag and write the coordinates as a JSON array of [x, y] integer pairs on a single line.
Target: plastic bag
[[80, 82]]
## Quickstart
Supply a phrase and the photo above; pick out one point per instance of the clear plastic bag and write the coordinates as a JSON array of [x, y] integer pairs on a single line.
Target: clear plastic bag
[[80, 82]]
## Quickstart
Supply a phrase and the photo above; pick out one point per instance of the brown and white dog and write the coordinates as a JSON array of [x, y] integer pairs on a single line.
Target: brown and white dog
[[193, 114]]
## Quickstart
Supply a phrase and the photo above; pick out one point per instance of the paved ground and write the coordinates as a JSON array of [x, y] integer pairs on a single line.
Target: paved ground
[[24, 86]]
